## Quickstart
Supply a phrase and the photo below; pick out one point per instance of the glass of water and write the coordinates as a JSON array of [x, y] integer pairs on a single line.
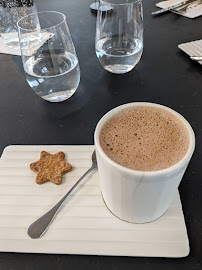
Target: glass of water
[[119, 34], [11, 12], [48, 55]]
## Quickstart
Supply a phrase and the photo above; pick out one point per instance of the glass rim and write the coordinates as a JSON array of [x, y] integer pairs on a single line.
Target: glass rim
[[51, 11], [110, 2]]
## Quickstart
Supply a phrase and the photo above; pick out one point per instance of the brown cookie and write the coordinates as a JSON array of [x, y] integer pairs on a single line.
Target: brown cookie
[[50, 167]]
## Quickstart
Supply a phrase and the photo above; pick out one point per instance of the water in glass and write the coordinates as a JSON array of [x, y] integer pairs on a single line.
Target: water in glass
[[118, 55], [54, 76]]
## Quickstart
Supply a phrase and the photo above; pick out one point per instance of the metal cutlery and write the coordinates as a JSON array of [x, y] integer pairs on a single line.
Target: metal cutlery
[[172, 7], [39, 227], [183, 9]]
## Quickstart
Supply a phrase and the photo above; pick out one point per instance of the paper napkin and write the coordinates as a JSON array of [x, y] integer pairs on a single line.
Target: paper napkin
[[194, 9], [7, 50]]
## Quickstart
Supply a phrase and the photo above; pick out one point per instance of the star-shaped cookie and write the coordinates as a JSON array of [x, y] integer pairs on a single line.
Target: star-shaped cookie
[[50, 167]]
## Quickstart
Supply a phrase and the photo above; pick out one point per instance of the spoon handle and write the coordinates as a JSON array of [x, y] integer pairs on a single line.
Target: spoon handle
[[39, 227]]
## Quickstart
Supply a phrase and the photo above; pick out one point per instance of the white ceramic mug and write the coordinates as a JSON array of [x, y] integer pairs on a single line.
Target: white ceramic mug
[[138, 196]]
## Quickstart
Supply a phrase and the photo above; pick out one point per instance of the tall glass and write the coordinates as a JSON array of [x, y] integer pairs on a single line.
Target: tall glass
[[11, 12], [119, 35], [48, 55]]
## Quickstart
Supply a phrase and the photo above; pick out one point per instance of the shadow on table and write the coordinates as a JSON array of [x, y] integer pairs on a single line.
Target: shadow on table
[[18, 61], [61, 110]]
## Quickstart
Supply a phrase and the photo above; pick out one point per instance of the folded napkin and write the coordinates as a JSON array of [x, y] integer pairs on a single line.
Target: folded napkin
[[7, 50], [194, 9], [193, 48]]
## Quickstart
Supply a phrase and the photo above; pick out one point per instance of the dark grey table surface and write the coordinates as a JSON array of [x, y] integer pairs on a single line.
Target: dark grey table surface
[[165, 75]]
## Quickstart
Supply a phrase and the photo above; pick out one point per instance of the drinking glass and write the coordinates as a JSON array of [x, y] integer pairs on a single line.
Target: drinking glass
[[11, 12], [119, 35], [48, 55]]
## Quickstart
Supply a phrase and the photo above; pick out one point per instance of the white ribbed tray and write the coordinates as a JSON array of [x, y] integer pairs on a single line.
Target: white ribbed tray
[[84, 224], [193, 48]]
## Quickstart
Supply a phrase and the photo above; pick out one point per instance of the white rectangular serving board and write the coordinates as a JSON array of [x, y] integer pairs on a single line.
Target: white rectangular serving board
[[84, 225]]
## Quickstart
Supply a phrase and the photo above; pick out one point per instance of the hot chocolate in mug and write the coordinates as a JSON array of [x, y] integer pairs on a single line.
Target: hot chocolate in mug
[[136, 195]]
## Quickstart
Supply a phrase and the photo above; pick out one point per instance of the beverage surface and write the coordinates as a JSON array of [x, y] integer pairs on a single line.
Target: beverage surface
[[145, 138]]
